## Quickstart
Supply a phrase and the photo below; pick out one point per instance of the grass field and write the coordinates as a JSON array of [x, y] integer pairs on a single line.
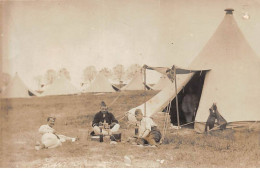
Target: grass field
[[21, 119]]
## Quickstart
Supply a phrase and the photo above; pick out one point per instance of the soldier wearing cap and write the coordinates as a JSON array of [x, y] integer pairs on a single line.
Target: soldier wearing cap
[[106, 120]]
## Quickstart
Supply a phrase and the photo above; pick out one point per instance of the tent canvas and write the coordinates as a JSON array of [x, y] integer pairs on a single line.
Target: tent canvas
[[232, 82], [136, 83], [163, 81], [100, 84], [160, 100], [17, 89], [60, 86]]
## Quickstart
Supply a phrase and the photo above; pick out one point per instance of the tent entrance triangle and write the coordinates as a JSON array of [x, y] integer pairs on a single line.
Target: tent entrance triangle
[[31, 93], [188, 98]]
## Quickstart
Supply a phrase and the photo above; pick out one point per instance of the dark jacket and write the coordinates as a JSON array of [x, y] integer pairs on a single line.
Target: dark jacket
[[109, 117]]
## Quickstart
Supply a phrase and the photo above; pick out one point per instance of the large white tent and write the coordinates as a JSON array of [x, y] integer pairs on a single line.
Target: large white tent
[[60, 86], [17, 89], [232, 82]]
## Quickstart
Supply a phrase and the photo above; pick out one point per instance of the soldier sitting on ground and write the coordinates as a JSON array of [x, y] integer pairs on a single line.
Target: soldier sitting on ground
[[106, 120], [148, 132], [50, 138]]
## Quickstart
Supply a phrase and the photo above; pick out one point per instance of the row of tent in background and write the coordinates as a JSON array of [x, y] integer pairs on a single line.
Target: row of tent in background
[[62, 86]]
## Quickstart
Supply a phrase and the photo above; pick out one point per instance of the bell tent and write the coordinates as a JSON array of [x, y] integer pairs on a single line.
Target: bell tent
[[60, 86], [101, 84], [228, 73], [137, 83], [17, 89]]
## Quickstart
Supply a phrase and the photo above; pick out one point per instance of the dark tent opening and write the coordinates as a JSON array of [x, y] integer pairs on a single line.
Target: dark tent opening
[[115, 88], [194, 87], [30, 93]]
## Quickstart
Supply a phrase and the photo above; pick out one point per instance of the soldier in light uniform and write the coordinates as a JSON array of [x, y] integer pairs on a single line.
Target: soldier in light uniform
[[148, 131]]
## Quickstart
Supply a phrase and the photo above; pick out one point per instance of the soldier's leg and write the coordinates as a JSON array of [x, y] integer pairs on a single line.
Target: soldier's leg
[[115, 128], [96, 130], [150, 139]]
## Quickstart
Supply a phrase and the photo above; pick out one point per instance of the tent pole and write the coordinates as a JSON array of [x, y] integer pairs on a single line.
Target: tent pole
[[176, 97], [144, 92]]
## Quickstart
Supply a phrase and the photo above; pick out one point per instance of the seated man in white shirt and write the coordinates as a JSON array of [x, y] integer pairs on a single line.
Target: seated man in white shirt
[[148, 132], [49, 137]]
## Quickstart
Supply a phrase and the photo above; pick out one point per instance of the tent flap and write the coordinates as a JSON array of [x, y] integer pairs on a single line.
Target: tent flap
[[164, 70]]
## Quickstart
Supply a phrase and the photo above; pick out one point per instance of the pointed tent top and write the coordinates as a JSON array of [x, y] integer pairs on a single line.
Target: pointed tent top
[[100, 84], [17, 89], [229, 11]]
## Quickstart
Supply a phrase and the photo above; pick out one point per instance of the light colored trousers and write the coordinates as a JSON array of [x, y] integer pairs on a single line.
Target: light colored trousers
[[115, 128], [50, 140]]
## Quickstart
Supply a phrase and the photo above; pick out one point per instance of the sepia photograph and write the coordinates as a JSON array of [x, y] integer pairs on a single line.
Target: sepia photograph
[[129, 84]]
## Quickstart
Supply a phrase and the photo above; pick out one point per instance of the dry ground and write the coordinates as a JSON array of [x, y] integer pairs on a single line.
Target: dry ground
[[21, 119]]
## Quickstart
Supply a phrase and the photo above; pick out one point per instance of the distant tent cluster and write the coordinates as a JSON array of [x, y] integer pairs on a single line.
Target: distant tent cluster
[[17, 89], [228, 73], [62, 86], [101, 84]]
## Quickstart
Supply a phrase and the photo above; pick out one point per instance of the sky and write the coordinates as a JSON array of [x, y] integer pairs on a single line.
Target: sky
[[42, 35]]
